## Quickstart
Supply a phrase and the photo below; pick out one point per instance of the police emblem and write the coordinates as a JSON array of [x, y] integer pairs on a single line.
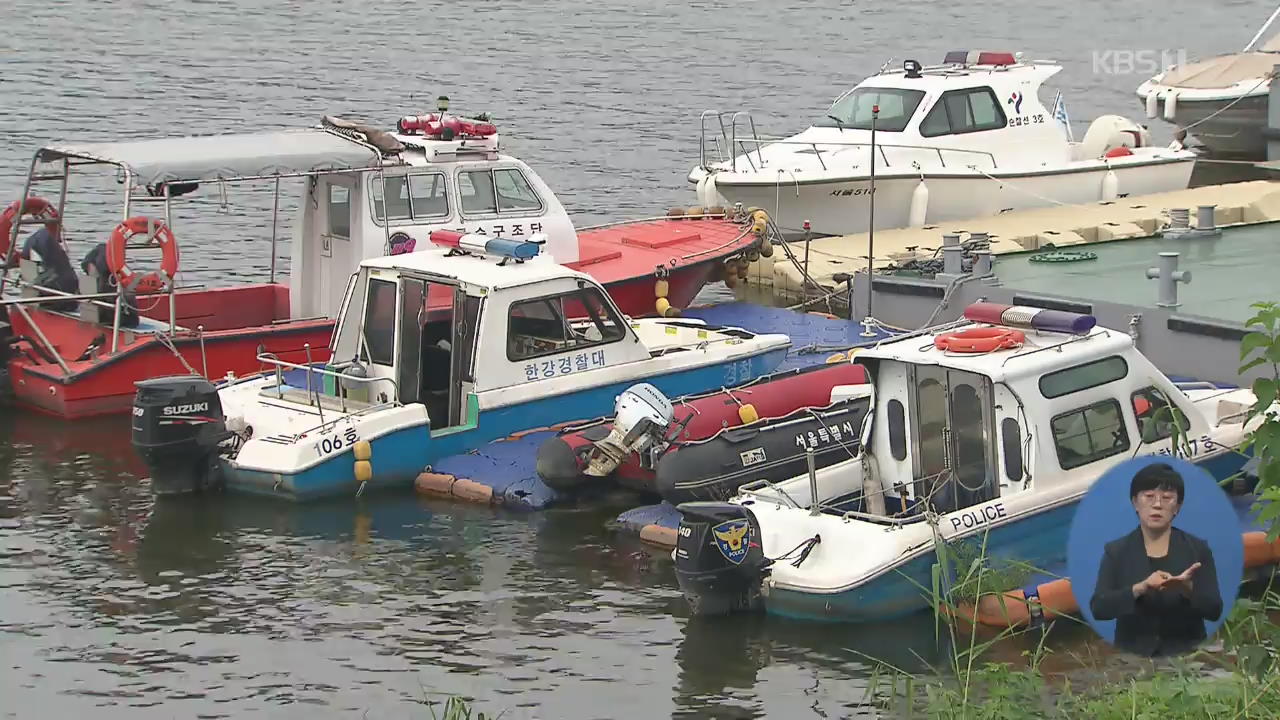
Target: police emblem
[[733, 537]]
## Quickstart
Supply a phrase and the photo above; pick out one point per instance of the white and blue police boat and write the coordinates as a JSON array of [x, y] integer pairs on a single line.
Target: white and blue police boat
[[991, 428], [436, 352]]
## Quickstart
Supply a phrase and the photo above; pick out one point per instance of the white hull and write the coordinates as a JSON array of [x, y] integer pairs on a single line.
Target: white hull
[[1226, 124], [840, 206]]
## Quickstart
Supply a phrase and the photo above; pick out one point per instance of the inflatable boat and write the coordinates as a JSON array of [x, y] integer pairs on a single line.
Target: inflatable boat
[[758, 426]]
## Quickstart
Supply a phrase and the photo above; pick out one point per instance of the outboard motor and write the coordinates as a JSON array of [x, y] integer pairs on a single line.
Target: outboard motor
[[641, 416], [177, 427], [720, 564]]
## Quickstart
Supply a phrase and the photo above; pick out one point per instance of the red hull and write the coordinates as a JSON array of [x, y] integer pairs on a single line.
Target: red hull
[[237, 320]]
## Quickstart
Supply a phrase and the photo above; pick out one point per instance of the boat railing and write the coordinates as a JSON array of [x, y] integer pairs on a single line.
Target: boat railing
[[760, 143], [313, 391], [726, 142]]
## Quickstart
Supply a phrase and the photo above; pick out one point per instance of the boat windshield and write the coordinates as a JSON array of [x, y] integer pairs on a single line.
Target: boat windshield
[[854, 110]]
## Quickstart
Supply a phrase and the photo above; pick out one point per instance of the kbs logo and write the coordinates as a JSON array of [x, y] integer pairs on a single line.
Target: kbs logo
[[185, 409]]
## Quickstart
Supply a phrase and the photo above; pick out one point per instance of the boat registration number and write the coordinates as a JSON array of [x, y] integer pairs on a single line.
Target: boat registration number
[[1020, 120], [336, 442]]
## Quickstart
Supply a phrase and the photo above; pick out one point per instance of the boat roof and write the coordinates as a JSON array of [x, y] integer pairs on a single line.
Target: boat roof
[[947, 75], [1002, 365], [242, 156], [476, 269]]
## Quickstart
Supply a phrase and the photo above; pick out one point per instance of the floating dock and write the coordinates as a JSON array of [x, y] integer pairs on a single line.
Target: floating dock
[[1235, 204]]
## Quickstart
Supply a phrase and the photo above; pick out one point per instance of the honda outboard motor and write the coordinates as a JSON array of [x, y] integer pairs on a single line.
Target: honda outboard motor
[[177, 426], [719, 562]]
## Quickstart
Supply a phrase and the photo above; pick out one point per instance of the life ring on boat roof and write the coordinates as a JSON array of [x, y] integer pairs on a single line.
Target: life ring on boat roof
[[157, 233], [980, 340], [34, 206]]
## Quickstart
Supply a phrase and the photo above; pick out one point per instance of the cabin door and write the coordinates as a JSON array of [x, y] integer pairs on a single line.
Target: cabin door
[[955, 453], [337, 256], [428, 369]]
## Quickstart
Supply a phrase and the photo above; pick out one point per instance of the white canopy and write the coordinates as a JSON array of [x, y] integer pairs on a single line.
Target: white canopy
[[226, 157]]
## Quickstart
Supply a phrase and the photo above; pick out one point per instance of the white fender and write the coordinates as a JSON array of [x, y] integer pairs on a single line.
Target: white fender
[[1153, 104], [1110, 186], [919, 205], [714, 197], [1170, 106], [701, 190]]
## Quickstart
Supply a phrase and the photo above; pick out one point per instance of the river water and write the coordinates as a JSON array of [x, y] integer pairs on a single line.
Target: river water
[[115, 606]]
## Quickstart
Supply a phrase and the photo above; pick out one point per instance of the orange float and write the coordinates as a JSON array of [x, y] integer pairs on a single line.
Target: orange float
[[980, 340], [34, 206], [158, 234]]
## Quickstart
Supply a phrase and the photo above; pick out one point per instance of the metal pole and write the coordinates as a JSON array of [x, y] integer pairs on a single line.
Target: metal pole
[[807, 237], [1262, 30], [813, 482], [40, 335], [17, 224], [275, 210], [871, 227]]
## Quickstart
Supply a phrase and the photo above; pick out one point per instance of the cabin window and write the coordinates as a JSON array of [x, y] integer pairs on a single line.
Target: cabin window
[[969, 426], [409, 197], [339, 211], [562, 323], [897, 430], [1156, 415], [514, 191], [963, 111], [1011, 443], [505, 190], [1091, 433], [380, 322], [1083, 377], [853, 111]]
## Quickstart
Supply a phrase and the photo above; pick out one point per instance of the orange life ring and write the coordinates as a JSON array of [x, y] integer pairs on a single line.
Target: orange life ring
[[979, 340], [33, 206], [157, 233]]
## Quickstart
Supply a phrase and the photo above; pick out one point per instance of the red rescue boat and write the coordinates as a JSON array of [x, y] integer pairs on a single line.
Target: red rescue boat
[[75, 342]]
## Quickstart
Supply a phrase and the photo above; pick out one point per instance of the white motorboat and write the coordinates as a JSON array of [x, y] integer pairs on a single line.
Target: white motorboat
[[967, 138], [1220, 101]]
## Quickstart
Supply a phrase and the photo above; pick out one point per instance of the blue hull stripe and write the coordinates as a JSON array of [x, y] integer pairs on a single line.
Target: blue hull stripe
[[400, 455]]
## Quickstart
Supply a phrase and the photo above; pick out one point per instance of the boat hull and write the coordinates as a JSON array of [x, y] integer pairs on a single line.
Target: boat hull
[[104, 383], [841, 206], [399, 454]]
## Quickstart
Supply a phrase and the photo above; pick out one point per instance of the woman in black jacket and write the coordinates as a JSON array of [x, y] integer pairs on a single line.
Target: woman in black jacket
[[1158, 582]]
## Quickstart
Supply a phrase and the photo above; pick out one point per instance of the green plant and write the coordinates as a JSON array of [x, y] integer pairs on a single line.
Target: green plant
[[455, 708], [1261, 348]]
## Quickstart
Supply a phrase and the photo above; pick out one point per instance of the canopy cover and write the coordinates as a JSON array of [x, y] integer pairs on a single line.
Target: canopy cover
[[226, 157]]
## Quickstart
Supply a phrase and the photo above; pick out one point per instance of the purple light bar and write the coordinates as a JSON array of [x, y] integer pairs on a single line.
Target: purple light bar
[[1032, 318]]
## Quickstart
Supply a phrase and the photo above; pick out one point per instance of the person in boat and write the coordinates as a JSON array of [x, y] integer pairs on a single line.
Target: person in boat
[[1158, 582], [56, 272], [95, 266]]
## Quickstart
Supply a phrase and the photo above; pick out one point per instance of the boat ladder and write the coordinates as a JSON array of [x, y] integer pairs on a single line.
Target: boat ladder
[[724, 141]]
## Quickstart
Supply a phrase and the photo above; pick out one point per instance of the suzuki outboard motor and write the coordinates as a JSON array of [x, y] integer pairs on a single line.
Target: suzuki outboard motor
[[719, 562], [177, 426]]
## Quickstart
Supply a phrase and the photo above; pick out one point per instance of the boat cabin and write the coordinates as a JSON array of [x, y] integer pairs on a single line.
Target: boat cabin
[[959, 429], [976, 109], [446, 174], [412, 325]]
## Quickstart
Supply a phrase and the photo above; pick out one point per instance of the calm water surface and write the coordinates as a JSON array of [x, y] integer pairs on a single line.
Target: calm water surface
[[115, 606]]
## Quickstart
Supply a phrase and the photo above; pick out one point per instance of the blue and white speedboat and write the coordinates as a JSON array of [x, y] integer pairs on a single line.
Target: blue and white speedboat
[[436, 352], [990, 428]]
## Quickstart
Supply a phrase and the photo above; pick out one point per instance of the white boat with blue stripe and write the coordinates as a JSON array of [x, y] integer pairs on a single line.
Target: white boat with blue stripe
[[436, 352], [991, 428]]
